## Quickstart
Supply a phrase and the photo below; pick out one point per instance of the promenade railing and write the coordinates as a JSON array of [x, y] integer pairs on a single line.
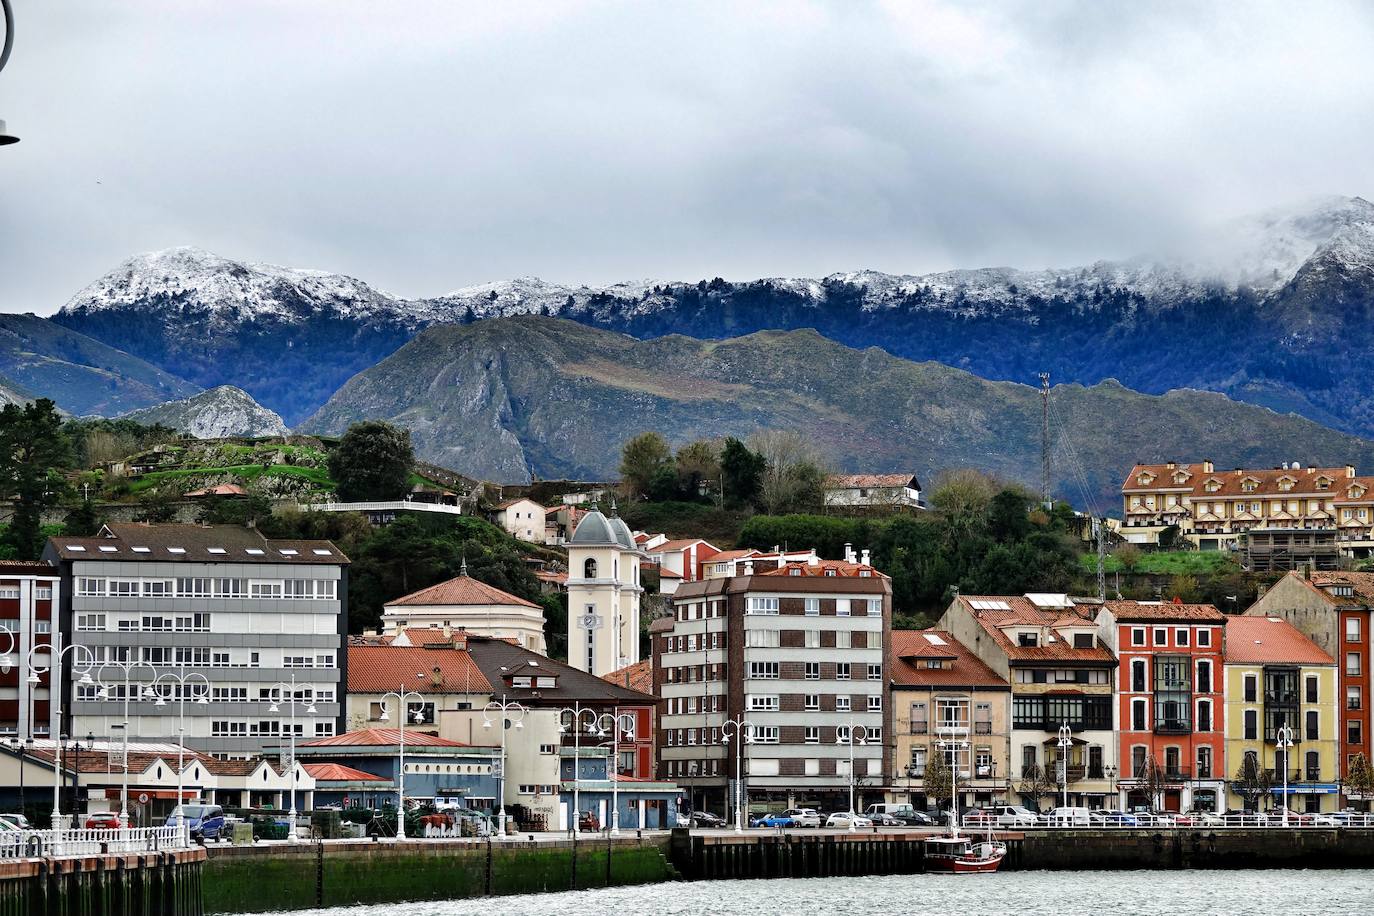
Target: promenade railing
[[23, 844]]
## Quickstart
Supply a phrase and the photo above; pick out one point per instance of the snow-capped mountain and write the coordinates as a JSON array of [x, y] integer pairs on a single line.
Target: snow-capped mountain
[[1273, 309], [215, 414]]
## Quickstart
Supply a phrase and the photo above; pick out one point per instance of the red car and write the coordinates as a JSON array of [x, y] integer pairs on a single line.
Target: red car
[[103, 820]]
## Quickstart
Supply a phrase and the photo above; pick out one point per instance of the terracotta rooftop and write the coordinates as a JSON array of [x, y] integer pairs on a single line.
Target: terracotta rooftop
[[460, 591], [1361, 582], [337, 772], [221, 489], [1270, 640], [912, 648], [382, 668], [855, 481], [383, 737], [823, 568], [1192, 479], [996, 611], [679, 544], [639, 676], [1163, 611]]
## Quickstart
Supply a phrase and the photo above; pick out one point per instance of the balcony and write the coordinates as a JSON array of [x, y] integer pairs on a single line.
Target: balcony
[[1173, 727], [920, 728], [982, 728]]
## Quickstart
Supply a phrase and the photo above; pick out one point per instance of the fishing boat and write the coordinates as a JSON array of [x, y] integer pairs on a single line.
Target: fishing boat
[[959, 855]]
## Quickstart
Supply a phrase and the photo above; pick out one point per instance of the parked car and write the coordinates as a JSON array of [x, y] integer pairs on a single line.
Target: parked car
[[17, 821], [773, 820], [1013, 816], [980, 817], [1072, 816], [1197, 818], [880, 819], [707, 820], [203, 822], [845, 819], [1301, 819], [1245, 819], [1112, 819], [904, 814], [102, 820], [804, 817]]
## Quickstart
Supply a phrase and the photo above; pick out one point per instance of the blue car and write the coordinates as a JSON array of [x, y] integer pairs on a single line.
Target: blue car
[[773, 820], [1113, 819], [204, 822]]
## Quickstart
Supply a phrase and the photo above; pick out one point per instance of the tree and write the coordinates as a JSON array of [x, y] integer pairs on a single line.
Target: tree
[[1153, 781], [939, 777], [372, 462], [1035, 784], [1182, 587], [1009, 515], [158, 505], [742, 471], [1128, 555], [33, 450], [698, 469], [641, 459], [82, 521], [233, 510], [1359, 780], [963, 497], [1252, 781], [792, 475]]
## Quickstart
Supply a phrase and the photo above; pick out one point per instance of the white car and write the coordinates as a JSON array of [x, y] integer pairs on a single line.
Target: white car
[[1071, 816], [1014, 816], [847, 819], [804, 817]]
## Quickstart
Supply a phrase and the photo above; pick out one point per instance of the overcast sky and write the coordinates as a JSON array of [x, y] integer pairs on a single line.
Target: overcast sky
[[423, 146]]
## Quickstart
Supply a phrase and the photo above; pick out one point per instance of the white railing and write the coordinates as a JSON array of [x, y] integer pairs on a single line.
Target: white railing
[[1124, 821], [398, 505], [21, 844]]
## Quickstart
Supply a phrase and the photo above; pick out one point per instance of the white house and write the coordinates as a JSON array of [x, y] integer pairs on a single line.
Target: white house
[[522, 518], [882, 490]]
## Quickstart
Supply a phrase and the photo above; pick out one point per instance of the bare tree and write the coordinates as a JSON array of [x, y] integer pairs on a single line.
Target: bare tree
[[939, 778], [793, 477], [1154, 781], [1035, 784], [1252, 781]]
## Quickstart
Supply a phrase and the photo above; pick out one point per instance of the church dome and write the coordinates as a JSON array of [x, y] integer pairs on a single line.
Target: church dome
[[623, 537], [594, 531]]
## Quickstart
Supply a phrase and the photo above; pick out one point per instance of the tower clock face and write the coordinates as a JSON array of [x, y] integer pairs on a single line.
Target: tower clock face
[[589, 622]]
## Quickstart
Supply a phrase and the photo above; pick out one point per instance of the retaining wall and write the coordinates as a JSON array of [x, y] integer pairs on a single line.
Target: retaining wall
[[140, 884]]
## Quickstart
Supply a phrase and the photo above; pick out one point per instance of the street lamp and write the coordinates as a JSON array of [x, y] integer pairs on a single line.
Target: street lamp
[[577, 715], [956, 745], [7, 138], [403, 697], [847, 737], [275, 692], [506, 709], [1285, 744], [104, 694], [82, 661], [624, 726], [1065, 742], [742, 730], [1110, 770], [185, 685]]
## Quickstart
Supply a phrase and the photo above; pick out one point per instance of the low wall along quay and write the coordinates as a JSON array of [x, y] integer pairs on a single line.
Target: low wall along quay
[[131, 884]]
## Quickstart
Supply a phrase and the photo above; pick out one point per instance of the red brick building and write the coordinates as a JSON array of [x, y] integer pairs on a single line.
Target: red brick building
[[28, 593]]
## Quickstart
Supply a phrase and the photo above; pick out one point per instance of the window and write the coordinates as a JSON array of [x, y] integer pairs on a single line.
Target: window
[[1204, 676], [1352, 629], [1311, 689], [841, 607], [90, 621], [1139, 756], [813, 671], [875, 607], [1181, 637], [812, 639], [763, 671], [768, 606], [812, 702], [763, 703], [875, 672], [812, 734], [1312, 766], [228, 588], [270, 589], [324, 728], [1027, 639], [919, 723], [1352, 698], [813, 607], [1204, 715], [1139, 715], [158, 588], [124, 588], [875, 702], [193, 588], [842, 671], [1204, 763], [90, 587], [421, 713], [1204, 637], [1251, 724], [1352, 663], [842, 703], [1161, 636], [754, 639], [1313, 725], [1028, 759], [1137, 636], [1138, 675], [765, 734], [1251, 687], [1352, 731]]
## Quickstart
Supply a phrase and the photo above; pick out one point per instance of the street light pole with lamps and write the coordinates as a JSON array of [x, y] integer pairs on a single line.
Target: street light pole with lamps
[[578, 714], [82, 660], [505, 708], [1284, 743], [275, 691], [403, 697], [184, 685], [1110, 770], [955, 744], [612, 764], [128, 668], [849, 739], [741, 731], [1065, 742]]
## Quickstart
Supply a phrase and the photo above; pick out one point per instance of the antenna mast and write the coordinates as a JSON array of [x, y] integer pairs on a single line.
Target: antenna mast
[[1101, 525], [1045, 439]]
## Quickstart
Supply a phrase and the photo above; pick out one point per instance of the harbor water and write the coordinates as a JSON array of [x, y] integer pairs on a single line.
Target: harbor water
[[1060, 893]]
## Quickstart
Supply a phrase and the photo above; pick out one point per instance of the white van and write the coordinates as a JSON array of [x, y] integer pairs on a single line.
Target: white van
[[1068, 817]]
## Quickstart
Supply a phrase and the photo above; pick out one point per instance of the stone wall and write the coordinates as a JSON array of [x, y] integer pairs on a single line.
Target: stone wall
[[1228, 848]]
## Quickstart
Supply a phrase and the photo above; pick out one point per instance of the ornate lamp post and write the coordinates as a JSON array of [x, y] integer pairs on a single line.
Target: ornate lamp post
[[618, 730], [1284, 744], [741, 731], [1110, 770], [144, 691], [850, 739], [185, 685], [504, 711], [276, 692], [402, 697], [1065, 742], [577, 715], [82, 660]]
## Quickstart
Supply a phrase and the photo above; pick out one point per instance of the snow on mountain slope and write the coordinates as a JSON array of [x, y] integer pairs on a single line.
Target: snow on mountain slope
[[215, 414]]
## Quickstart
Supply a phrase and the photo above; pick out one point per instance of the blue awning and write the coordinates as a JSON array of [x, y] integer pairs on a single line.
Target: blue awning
[[1307, 788]]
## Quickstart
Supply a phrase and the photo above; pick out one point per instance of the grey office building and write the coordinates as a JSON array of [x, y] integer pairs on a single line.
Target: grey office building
[[222, 601]]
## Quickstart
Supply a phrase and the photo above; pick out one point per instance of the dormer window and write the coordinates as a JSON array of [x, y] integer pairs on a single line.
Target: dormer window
[[1027, 639], [1248, 485], [1323, 483], [1343, 591], [1286, 483], [1145, 479], [1212, 485], [1356, 492]]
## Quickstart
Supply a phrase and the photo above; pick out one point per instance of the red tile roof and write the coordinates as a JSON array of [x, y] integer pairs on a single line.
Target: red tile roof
[[337, 772], [823, 568], [911, 647], [1361, 582], [1266, 480], [996, 611], [1270, 640], [460, 591], [1163, 611], [639, 676], [679, 544], [379, 669], [383, 737]]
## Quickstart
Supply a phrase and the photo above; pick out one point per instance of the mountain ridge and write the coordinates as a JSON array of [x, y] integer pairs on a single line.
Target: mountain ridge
[[218, 413]]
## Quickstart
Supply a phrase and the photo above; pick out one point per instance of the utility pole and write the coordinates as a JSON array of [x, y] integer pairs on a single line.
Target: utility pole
[[1045, 439], [1101, 525]]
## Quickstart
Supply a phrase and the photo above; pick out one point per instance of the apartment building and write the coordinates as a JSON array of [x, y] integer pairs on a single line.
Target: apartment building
[[225, 602], [1276, 679], [1170, 701], [790, 655], [1213, 508], [28, 594], [946, 701], [1336, 611], [1062, 675], [682, 560]]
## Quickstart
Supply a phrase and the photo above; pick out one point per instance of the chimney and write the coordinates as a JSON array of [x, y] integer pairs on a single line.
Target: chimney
[[1350, 470], [748, 567], [782, 560], [849, 553], [1208, 467], [864, 559], [436, 677], [812, 559], [1171, 465]]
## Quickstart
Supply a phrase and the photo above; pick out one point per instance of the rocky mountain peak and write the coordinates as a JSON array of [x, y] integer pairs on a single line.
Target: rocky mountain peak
[[215, 414]]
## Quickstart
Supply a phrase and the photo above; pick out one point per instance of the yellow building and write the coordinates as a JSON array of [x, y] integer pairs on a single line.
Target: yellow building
[[1280, 687]]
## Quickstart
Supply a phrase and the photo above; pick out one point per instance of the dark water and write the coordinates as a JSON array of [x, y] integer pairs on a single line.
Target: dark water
[[1101, 893]]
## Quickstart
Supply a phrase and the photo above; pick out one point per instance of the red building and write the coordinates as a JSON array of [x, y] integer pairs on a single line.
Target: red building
[[28, 593], [635, 751], [1170, 694]]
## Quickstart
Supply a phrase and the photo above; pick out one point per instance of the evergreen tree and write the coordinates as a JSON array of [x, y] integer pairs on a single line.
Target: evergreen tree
[[742, 471], [33, 450], [642, 459], [372, 462]]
